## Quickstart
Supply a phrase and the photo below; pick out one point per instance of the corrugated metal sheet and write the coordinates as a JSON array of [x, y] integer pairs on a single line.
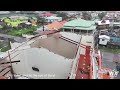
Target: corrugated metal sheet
[[80, 24], [115, 39]]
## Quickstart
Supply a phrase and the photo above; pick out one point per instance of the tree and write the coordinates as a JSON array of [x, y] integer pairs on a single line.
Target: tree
[[101, 15], [54, 12], [63, 15], [86, 16], [12, 12], [41, 20]]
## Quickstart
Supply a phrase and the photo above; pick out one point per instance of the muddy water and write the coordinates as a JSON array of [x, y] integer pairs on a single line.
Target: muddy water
[[59, 46]]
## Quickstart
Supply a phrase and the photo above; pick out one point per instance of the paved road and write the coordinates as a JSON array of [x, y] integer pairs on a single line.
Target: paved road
[[17, 39], [108, 62]]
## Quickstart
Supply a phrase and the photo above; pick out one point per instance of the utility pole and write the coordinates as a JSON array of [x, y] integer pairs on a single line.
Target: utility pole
[[43, 27]]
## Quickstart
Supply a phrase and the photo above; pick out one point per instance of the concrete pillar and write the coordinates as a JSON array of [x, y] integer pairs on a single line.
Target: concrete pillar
[[63, 29], [80, 31], [73, 30]]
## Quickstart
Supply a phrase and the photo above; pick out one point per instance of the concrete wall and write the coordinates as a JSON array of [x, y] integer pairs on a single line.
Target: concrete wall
[[36, 42], [75, 65], [47, 64], [103, 41], [95, 65], [30, 57]]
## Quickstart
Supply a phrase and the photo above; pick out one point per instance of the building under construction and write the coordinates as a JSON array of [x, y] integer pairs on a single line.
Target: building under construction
[[53, 55]]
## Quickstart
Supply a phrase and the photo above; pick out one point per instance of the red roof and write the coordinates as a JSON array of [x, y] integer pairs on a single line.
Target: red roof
[[47, 32], [48, 14], [63, 22], [55, 25], [82, 64]]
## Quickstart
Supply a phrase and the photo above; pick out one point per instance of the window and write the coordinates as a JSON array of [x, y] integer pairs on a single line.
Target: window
[[35, 69], [103, 39], [103, 21]]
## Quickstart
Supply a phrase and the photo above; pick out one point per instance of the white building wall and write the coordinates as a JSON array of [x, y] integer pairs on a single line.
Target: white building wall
[[103, 42], [94, 66], [88, 41], [36, 42], [60, 19], [53, 20]]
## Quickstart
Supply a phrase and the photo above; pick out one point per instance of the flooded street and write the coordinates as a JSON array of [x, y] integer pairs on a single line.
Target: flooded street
[[108, 62], [59, 46]]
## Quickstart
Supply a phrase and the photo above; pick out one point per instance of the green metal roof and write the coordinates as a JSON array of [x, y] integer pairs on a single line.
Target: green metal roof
[[81, 28], [80, 24], [34, 18]]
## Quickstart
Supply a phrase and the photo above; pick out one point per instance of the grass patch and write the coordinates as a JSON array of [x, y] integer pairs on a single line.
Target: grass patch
[[104, 49], [14, 23], [4, 49], [28, 31]]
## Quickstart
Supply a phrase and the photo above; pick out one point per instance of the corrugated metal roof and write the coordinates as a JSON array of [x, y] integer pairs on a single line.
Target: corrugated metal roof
[[47, 14], [115, 39], [80, 24], [55, 25], [104, 36], [53, 17], [82, 28]]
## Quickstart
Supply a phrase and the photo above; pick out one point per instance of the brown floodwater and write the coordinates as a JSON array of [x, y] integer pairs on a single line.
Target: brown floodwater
[[59, 46]]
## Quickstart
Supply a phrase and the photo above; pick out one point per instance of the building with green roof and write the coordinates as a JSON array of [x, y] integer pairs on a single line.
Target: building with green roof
[[80, 25]]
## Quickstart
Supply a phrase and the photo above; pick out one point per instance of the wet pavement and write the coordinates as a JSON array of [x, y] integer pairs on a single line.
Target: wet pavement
[[108, 62], [17, 39]]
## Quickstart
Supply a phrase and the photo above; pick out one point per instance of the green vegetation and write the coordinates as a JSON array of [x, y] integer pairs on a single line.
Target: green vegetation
[[4, 49], [101, 15], [23, 31], [4, 46], [63, 15], [86, 15], [104, 49], [14, 23]]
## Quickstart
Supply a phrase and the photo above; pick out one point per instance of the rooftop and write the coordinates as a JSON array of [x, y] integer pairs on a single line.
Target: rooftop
[[80, 24], [47, 14], [53, 17], [55, 25], [103, 22]]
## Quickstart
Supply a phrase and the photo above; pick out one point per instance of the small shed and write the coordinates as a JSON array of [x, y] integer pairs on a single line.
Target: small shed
[[53, 18], [104, 39], [103, 24]]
